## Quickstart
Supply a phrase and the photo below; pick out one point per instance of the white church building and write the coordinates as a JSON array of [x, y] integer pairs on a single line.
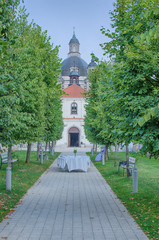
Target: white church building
[[74, 85]]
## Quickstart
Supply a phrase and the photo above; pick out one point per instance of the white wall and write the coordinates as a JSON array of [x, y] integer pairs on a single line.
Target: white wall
[[66, 107], [73, 120]]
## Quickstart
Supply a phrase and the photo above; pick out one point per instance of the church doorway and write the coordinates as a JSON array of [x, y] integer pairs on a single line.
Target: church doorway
[[73, 137]]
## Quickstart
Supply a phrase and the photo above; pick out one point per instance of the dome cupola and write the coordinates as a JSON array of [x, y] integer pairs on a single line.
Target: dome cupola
[[74, 46], [74, 40], [74, 73], [91, 65], [74, 65], [74, 77]]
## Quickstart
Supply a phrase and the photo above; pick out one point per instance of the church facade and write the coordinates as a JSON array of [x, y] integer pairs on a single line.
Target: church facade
[[74, 84]]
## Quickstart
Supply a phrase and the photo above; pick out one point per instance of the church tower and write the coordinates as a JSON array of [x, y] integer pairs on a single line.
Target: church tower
[[74, 46], [74, 68], [74, 85]]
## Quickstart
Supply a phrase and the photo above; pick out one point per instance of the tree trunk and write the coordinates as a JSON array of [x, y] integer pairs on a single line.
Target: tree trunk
[[93, 146], [46, 147], [38, 150], [127, 161], [96, 148], [52, 148], [28, 153], [49, 148], [106, 152], [9, 156], [115, 155]]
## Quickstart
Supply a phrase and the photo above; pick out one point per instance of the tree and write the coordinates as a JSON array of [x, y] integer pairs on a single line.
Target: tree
[[134, 45], [53, 108], [26, 90], [53, 112], [39, 81], [91, 98], [10, 117]]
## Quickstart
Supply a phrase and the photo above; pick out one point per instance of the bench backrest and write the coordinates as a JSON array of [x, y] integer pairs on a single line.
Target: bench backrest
[[132, 160], [4, 157]]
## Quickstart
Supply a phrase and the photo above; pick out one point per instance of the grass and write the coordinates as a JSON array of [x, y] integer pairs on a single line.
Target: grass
[[22, 179], [144, 205]]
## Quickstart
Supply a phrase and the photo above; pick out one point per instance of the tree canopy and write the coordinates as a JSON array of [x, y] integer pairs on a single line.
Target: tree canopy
[[30, 102], [131, 89]]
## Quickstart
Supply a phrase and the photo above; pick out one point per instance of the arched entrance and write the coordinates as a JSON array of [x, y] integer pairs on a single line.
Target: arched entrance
[[73, 137]]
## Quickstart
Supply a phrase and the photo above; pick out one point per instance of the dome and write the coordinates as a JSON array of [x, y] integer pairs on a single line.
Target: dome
[[92, 63], [74, 61], [74, 39]]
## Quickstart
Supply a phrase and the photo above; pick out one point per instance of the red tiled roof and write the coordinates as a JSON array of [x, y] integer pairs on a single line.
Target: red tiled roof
[[74, 91]]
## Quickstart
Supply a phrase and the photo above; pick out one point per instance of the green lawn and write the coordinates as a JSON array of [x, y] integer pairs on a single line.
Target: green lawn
[[144, 205], [22, 179]]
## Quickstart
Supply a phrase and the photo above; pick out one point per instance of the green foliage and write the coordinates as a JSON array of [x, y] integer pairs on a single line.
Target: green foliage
[[53, 114], [10, 119], [99, 120], [30, 96], [75, 152], [91, 98], [133, 47]]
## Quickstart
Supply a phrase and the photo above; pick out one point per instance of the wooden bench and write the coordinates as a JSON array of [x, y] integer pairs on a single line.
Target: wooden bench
[[131, 164], [4, 160]]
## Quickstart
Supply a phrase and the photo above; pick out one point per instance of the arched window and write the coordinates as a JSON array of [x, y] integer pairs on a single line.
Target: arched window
[[74, 48], [74, 108]]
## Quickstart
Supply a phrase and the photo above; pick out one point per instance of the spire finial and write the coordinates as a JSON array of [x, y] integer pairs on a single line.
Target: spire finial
[[73, 31]]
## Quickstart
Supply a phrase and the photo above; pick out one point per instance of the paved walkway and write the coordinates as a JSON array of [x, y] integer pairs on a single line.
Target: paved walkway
[[70, 206]]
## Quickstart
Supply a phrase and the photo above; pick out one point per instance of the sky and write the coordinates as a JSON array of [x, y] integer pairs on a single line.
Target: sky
[[59, 17]]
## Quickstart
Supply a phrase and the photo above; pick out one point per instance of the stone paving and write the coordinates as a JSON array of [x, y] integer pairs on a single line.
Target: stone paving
[[70, 206]]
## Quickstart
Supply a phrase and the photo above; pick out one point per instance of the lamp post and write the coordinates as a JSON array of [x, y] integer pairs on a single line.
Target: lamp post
[[103, 161], [8, 170], [135, 180], [92, 151], [41, 153]]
